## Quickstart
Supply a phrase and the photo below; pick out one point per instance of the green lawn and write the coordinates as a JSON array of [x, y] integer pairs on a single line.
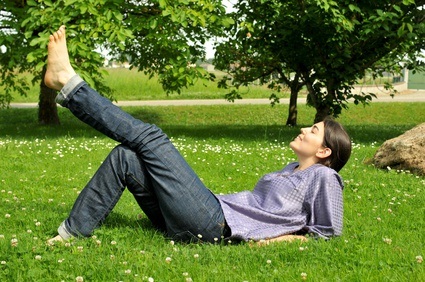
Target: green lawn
[[131, 85], [230, 146]]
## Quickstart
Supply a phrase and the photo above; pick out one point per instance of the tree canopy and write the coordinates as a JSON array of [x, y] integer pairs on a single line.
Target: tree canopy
[[324, 45], [158, 36]]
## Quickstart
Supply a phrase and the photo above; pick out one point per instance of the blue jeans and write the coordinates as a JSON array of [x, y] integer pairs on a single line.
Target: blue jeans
[[163, 184]]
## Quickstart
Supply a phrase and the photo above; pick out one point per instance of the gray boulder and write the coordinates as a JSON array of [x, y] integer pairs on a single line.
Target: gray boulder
[[405, 152]]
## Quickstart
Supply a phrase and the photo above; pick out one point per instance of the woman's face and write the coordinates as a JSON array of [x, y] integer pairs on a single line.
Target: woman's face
[[310, 141]]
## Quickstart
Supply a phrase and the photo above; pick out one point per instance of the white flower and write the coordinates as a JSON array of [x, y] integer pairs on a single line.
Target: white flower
[[269, 261], [196, 256], [113, 242], [387, 240], [38, 257], [150, 279], [14, 242], [167, 259], [419, 259], [304, 276], [79, 279], [7, 215], [128, 271]]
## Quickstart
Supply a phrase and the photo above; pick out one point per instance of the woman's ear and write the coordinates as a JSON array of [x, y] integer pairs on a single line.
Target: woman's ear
[[323, 153]]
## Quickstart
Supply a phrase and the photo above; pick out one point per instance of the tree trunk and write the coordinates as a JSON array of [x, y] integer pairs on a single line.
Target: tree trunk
[[322, 108], [47, 109], [321, 113], [293, 110]]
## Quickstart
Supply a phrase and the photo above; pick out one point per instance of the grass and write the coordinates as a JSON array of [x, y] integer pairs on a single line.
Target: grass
[[230, 147], [131, 85]]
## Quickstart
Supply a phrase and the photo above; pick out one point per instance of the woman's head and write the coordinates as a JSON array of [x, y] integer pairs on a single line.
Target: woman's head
[[325, 142], [336, 139]]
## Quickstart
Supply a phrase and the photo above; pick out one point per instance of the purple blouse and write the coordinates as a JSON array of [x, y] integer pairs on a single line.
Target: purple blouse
[[285, 202]]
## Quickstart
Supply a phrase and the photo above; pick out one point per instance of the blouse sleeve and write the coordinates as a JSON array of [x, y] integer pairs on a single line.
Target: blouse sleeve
[[324, 204]]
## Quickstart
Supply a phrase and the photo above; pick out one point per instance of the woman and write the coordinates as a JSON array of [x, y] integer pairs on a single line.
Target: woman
[[305, 197]]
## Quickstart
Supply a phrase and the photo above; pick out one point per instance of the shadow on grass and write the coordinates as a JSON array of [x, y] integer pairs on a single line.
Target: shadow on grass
[[119, 220], [23, 124]]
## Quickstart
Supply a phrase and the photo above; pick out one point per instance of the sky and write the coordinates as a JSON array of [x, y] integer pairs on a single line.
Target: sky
[[209, 45]]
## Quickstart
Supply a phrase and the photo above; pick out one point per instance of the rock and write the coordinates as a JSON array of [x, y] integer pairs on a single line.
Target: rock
[[405, 152]]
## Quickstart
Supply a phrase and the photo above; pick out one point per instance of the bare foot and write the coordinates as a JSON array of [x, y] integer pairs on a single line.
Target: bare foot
[[59, 69]]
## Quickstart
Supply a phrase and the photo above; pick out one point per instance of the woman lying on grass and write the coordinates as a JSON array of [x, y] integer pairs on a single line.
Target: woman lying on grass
[[303, 198]]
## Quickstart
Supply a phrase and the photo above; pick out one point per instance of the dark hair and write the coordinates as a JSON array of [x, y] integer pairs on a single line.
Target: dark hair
[[336, 139]]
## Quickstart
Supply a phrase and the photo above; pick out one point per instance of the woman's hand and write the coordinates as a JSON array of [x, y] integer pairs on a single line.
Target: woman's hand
[[283, 238]]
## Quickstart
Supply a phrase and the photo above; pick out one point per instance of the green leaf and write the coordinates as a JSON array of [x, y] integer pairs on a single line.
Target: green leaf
[[28, 34], [353, 7], [39, 66], [109, 15], [31, 3], [118, 15], [397, 8], [70, 2], [400, 30], [153, 24], [162, 3], [37, 41], [30, 57], [83, 9]]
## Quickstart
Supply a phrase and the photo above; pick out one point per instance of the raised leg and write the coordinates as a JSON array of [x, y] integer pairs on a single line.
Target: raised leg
[[189, 209]]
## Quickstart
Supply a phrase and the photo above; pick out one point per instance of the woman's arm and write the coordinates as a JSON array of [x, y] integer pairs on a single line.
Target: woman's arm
[[324, 206], [283, 238]]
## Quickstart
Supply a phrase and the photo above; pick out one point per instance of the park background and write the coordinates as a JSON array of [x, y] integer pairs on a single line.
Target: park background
[[230, 146], [324, 42]]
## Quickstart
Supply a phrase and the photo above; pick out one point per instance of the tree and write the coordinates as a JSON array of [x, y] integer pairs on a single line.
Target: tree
[[163, 37], [321, 44]]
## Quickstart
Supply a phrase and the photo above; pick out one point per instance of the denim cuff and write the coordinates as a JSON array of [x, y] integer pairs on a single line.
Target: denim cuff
[[63, 232], [67, 89]]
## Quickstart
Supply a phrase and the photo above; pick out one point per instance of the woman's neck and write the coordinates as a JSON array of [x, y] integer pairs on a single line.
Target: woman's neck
[[302, 165]]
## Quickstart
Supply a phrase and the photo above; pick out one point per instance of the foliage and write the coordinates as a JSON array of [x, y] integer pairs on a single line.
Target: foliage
[[326, 45], [230, 147], [163, 37]]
